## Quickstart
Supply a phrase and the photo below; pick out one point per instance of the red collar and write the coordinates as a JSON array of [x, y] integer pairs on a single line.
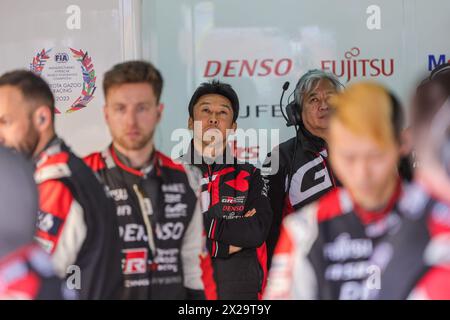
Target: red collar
[[368, 217], [127, 168]]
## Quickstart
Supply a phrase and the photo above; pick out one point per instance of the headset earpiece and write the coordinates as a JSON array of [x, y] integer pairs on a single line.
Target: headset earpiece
[[293, 114], [293, 110]]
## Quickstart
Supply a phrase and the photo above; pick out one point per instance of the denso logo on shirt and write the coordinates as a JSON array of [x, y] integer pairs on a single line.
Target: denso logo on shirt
[[169, 230], [133, 232], [233, 208], [135, 261]]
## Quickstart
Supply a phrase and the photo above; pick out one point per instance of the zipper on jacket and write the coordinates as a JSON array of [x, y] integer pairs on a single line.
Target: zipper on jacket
[[146, 210]]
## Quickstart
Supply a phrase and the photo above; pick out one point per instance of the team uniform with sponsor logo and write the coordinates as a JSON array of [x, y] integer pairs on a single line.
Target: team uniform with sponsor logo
[[160, 224], [27, 274], [228, 192], [311, 178], [333, 249], [74, 222], [420, 263]]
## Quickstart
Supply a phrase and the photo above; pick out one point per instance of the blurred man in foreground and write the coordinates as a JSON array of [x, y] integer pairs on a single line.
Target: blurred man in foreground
[[331, 248], [75, 224], [26, 271]]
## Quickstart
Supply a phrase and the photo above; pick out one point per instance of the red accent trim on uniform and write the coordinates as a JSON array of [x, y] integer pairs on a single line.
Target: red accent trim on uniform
[[214, 253], [287, 208], [209, 284], [122, 165], [168, 162], [368, 217], [61, 157], [436, 283], [56, 199], [95, 161], [239, 183], [213, 231], [436, 228], [28, 285], [213, 186], [284, 244], [261, 253], [329, 206]]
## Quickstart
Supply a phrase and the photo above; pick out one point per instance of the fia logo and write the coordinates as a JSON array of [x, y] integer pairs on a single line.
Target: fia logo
[[61, 57]]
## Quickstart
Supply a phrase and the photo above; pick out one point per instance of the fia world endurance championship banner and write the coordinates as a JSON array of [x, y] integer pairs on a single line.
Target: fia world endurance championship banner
[[70, 74]]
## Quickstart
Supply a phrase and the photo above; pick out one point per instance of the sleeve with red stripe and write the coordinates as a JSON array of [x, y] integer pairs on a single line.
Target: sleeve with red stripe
[[61, 228]]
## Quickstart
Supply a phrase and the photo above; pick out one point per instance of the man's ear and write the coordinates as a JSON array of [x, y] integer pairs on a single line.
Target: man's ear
[[160, 111], [42, 118], [105, 112], [190, 123]]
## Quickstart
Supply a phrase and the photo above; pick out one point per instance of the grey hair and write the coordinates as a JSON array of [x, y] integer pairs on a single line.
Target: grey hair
[[309, 80]]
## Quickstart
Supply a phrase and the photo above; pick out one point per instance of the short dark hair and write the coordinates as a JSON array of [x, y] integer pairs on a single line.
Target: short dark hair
[[134, 72], [215, 87], [32, 87]]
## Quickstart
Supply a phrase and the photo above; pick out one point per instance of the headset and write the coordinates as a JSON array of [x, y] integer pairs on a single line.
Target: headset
[[292, 118], [293, 115]]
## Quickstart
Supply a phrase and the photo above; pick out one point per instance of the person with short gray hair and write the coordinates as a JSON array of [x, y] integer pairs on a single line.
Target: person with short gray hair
[[297, 171]]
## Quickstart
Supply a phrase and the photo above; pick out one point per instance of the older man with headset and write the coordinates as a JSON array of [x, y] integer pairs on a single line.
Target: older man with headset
[[297, 171]]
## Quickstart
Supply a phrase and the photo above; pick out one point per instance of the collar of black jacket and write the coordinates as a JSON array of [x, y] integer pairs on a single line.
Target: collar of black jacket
[[309, 141], [54, 144], [147, 167], [125, 164]]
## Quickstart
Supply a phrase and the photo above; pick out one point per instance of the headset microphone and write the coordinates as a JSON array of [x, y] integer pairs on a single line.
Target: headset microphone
[[285, 87]]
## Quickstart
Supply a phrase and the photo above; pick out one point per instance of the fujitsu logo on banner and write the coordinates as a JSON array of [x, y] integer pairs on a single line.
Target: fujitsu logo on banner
[[248, 68], [355, 66]]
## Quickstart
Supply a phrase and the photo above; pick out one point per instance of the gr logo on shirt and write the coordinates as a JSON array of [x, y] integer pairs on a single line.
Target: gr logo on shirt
[[135, 261], [298, 191]]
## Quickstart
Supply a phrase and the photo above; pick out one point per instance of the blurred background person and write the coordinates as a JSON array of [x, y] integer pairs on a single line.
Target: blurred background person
[[26, 271], [420, 263], [76, 222]]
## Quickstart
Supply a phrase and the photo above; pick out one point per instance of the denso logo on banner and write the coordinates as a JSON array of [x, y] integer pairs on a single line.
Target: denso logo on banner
[[248, 68], [355, 66]]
